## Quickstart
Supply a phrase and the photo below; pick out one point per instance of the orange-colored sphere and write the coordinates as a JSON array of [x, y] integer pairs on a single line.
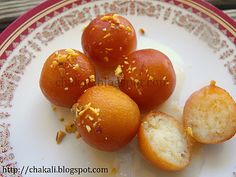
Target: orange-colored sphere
[[107, 38], [147, 76], [66, 74], [107, 118]]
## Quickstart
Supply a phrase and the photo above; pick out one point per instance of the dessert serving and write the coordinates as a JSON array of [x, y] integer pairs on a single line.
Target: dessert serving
[[210, 115], [66, 74], [107, 39], [147, 76], [108, 117], [163, 141]]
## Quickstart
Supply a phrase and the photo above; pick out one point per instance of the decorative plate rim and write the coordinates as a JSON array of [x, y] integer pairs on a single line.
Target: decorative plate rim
[[216, 14]]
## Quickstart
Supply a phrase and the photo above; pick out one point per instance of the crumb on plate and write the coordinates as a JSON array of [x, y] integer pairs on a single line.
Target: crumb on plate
[[60, 136], [70, 128], [141, 31]]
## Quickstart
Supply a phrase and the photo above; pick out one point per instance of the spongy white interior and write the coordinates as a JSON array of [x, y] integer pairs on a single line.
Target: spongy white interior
[[167, 140], [212, 117]]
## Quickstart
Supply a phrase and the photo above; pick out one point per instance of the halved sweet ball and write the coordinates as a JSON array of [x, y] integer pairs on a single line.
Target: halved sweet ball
[[210, 115], [107, 38], [147, 76], [107, 119], [164, 142], [66, 74]]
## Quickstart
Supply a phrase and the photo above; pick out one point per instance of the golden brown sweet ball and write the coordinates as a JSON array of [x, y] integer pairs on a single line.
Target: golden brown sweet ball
[[210, 115], [147, 76], [107, 119], [66, 74], [164, 142], [107, 38]]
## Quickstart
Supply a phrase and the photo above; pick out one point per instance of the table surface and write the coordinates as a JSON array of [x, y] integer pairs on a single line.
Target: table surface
[[11, 9]]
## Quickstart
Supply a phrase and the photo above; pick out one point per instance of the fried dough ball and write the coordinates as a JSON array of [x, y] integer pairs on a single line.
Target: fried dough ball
[[147, 76], [210, 115], [107, 38], [163, 141], [66, 74], [107, 119]]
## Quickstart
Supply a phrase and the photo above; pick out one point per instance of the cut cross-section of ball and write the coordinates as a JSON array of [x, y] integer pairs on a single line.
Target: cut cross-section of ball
[[164, 142], [210, 115]]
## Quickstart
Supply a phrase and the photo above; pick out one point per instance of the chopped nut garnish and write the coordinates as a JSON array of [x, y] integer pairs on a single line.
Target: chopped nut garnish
[[100, 43], [106, 138], [133, 61], [66, 88], [70, 128], [92, 78], [141, 31], [128, 29], [126, 62], [87, 81], [80, 111], [60, 136], [115, 19], [121, 48], [106, 59], [72, 52], [190, 131], [134, 68], [84, 28], [106, 18], [88, 128], [107, 35], [150, 78], [82, 84], [109, 49], [104, 29], [136, 81], [93, 29], [164, 78], [90, 118], [71, 80], [95, 110], [54, 64], [94, 124], [61, 58], [167, 83], [62, 119], [213, 83], [121, 26], [76, 67], [112, 25], [118, 71]]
